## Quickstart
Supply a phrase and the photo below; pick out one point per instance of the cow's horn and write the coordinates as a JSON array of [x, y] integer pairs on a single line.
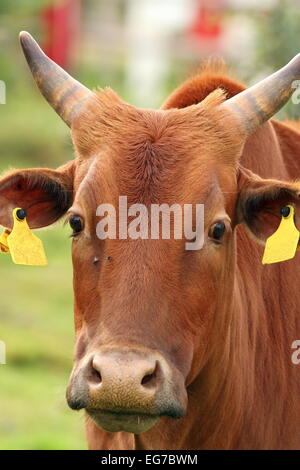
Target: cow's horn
[[258, 103], [62, 92]]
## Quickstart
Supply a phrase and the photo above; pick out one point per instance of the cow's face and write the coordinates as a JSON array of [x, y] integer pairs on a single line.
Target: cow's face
[[145, 309]]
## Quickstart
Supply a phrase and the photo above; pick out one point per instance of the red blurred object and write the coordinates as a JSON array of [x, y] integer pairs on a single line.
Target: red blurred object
[[61, 22], [208, 22]]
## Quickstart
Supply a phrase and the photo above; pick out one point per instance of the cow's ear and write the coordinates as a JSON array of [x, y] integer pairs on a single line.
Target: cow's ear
[[260, 201], [45, 194]]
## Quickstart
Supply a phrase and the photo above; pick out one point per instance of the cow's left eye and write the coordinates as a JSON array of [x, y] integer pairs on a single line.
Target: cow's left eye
[[76, 224], [217, 231]]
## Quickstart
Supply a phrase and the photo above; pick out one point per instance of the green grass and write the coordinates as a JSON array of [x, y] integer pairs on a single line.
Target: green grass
[[36, 323]]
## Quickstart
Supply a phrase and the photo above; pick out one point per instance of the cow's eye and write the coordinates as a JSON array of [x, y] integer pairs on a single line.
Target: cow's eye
[[217, 231], [76, 224]]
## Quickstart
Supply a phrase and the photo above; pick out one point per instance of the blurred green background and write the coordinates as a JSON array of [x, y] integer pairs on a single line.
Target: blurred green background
[[36, 319]]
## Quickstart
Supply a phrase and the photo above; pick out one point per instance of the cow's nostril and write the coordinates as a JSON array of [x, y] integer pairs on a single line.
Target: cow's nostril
[[150, 379], [95, 376]]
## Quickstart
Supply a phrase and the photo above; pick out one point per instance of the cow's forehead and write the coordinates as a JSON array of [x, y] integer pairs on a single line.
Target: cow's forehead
[[109, 121], [102, 181], [150, 156]]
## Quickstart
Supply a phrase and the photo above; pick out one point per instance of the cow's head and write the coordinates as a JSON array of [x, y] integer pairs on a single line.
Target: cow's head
[[146, 310]]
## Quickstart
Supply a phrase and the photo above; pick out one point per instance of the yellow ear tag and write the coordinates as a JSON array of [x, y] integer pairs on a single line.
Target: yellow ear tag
[[24, 246], [282, 245], [3, 242]]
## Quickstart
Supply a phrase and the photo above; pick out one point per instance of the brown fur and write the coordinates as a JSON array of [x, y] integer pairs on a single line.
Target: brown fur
[[222, 318]]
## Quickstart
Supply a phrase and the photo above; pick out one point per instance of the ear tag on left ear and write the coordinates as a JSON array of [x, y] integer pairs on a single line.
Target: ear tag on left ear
[[25, 248], [282, 245]]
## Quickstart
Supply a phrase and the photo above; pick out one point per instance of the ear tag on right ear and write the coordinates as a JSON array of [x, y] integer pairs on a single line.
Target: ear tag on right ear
[[25, 248], [4, 249], [282, 245]]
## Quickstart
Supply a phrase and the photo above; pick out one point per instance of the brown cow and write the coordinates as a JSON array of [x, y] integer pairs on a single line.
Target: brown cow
[[163, 333]]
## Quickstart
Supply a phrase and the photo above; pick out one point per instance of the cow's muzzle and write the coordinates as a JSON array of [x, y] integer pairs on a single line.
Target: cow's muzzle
[[127, 389]]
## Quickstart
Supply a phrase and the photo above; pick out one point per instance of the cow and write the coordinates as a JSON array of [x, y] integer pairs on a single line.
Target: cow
[[176, 349]]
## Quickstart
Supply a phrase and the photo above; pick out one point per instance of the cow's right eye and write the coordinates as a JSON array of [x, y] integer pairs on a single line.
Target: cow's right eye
[[76, 224]]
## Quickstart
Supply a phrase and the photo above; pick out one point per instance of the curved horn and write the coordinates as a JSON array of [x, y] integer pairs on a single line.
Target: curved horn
[[62, 92], [260, 102]]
